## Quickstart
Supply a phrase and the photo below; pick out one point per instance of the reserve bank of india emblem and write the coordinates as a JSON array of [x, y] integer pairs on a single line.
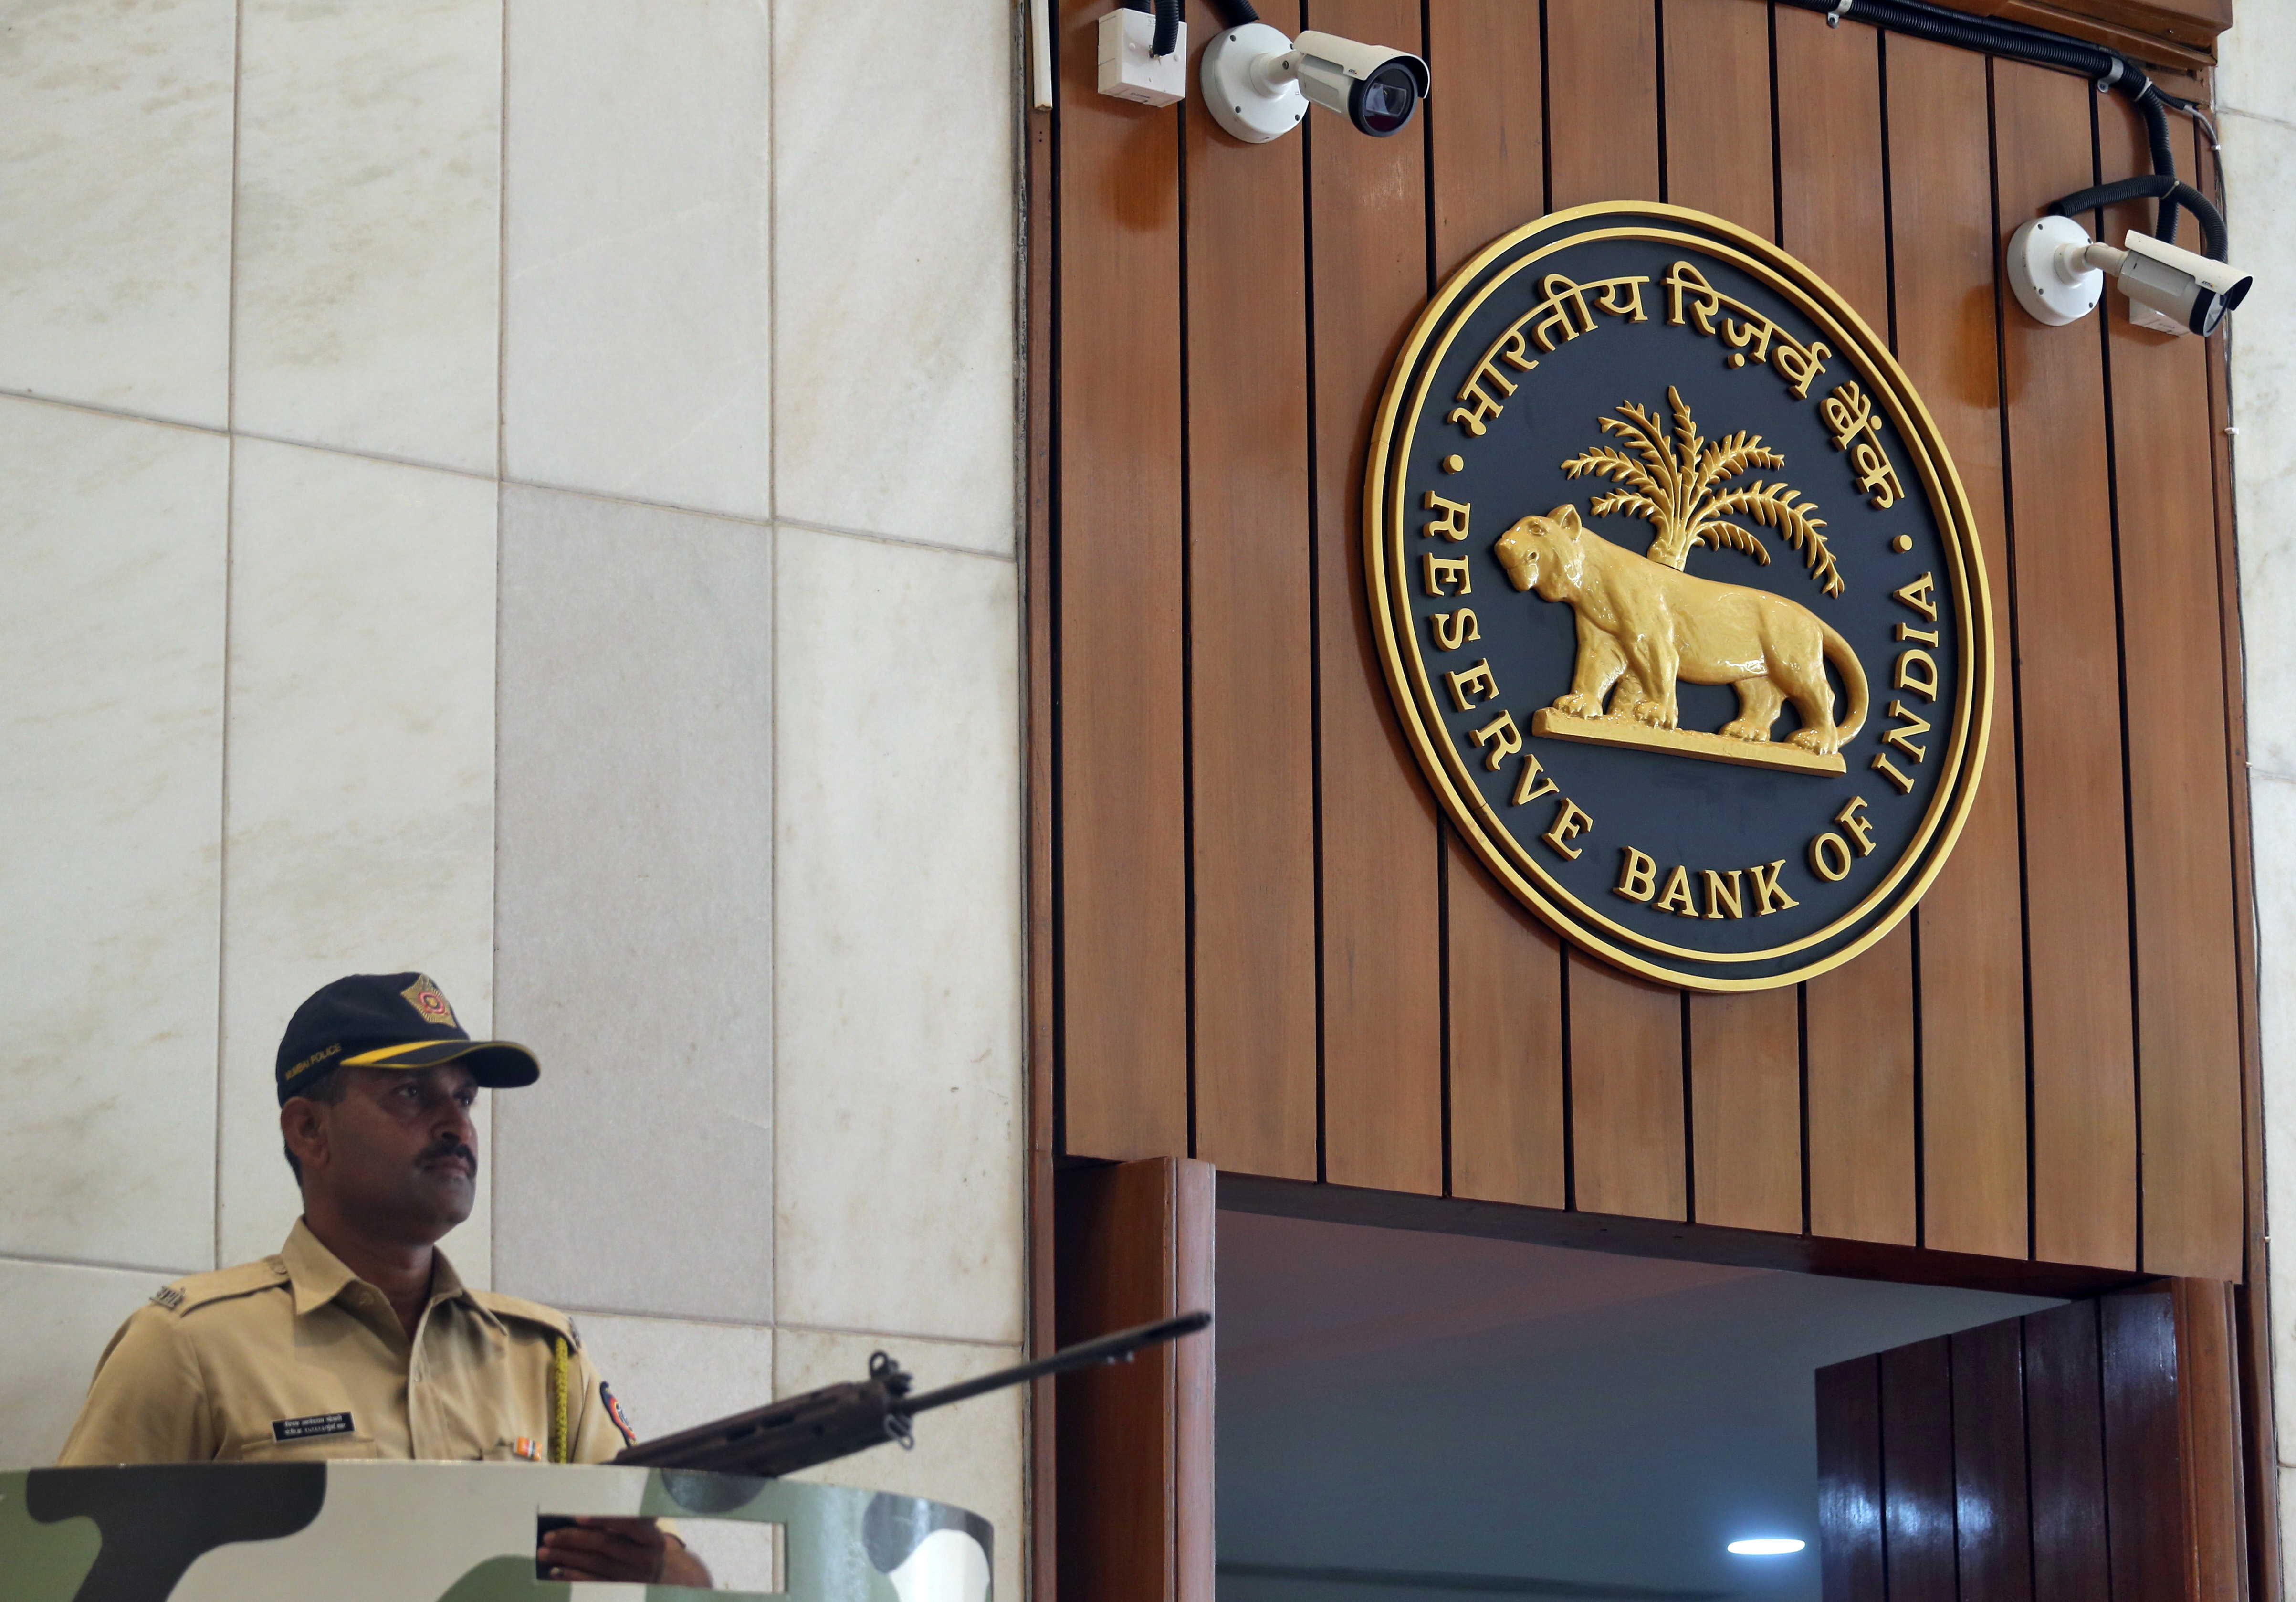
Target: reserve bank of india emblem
[[1678, 596]]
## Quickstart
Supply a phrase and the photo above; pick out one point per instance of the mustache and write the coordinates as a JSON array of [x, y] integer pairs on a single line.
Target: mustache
[[438, 1150]]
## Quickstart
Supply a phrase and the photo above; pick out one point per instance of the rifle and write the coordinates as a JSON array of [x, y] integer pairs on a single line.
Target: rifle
[[840, 1419]]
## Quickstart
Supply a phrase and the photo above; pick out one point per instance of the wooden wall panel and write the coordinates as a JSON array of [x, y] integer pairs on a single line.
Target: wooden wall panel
[[1602, 117], [1268, 951], [1993, 1532], [1136, 1243], [1971, 926], [1486, 135], [2209, 1432], [1626, 1094], [2064, 1442], [1488, 170], [2180, 814], [1382, 849], [1858, 1020], [1851, 1495], [1718, 137], [1506, 979], [1859, 1023], [2042, 1457], [2067, 644], [1917, 1418], [1121, 833], [1250, 653], [2142, 1447], [1746, 1110], [1745, 1051]]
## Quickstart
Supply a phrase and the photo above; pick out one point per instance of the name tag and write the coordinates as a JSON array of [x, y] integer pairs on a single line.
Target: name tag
[[304, 1429]]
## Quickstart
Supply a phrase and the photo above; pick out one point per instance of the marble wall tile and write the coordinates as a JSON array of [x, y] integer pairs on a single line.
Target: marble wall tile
[[2261, 164], [359, 799], [635, 907], [972, 1454], [112, 641], [894, 259], [56, 1321], [636, 308], [2272, 822], [367, 282], [2256, 62], [115, 153], [672, 1374], [898, 1077]]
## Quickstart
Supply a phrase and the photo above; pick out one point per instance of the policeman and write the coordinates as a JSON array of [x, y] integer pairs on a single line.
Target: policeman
[[357, 1339]]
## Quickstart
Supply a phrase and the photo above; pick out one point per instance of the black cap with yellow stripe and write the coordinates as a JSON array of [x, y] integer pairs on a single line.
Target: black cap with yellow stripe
[[389, 1021]]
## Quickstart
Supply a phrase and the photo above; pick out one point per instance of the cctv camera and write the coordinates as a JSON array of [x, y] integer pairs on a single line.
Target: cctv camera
[[1259, 83], [2173, 290], [2058, 272]]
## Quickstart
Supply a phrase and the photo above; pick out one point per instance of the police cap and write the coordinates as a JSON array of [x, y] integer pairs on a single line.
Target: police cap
[[389, 1021]]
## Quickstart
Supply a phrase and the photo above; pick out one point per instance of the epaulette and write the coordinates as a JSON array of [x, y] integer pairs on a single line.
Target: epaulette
[[531, 1312], [199, 1290]]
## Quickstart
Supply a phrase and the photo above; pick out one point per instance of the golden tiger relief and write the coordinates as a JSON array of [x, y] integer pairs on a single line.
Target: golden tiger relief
[[1643, 628]]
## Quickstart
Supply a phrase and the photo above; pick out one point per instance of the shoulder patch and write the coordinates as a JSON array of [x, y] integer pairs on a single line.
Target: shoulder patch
[[202, 1290], [529, 1312], [614, 1411]]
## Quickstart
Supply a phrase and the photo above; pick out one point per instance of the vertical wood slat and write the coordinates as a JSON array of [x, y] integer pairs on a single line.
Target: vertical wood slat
[[1625, 1048], [1250, 661], [1123, 841], [1859, 1018], [1745, 1050], [1135, 1244], [2179, 818], [2209, 1438], [2084, 1136], [2065, 1435], [1603, 121], [2143, 1469], [1860, 1028], [1850, 1555], [1487, 134], [1918, 1471], [1972, 932], [1504, 981], [1506, 990], [1992, 1517], [1382, 936]]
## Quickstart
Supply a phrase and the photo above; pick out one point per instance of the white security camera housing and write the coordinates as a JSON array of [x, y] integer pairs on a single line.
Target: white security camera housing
[[2058, 274], [2173, 290], [1258, 84]]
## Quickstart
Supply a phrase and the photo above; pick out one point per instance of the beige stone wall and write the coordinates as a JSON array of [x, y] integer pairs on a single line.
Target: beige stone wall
[[524, 489]]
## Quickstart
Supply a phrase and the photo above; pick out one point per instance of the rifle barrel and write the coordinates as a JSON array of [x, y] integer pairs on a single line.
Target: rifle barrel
[[1116, 1348]]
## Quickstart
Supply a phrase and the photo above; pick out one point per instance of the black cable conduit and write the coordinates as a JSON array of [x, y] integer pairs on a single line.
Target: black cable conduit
[[2017, 41]]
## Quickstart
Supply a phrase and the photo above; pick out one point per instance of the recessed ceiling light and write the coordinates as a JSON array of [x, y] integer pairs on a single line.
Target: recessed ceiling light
[[1765, 1548]]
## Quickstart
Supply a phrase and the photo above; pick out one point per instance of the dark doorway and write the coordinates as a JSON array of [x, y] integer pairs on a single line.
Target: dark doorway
[[1411, 1415]]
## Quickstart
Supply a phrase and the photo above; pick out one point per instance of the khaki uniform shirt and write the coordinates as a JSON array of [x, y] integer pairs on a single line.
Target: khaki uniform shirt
[[296, 1358]]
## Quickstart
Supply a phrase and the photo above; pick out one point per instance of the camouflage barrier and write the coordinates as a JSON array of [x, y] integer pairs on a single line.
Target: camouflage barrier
[[379, 1532]]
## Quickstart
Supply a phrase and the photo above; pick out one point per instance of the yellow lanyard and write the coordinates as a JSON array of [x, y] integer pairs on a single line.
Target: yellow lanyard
[[562, 1447]]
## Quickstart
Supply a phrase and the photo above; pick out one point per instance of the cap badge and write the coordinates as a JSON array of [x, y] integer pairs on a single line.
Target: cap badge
[[423, 996]]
